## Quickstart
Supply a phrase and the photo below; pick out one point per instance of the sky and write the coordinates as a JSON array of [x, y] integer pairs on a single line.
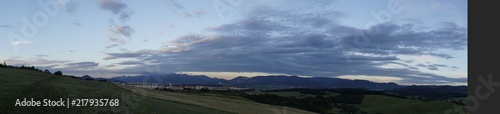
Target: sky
[[404, 41]]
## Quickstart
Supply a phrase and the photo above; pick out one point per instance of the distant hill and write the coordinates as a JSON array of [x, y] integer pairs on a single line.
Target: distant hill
[[314, 82], [433, 92], [280, 81], [170, 78], [86, 77]]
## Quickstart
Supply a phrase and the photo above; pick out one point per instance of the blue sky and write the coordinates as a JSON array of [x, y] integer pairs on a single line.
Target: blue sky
[[402, 41]]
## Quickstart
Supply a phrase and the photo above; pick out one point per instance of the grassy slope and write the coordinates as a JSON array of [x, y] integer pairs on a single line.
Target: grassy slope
[[19, 84], [234, 104], [391, 105]]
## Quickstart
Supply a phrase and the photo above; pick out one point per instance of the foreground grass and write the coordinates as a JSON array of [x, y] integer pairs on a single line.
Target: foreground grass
[[233, 104], [20, 83], [390, 105]]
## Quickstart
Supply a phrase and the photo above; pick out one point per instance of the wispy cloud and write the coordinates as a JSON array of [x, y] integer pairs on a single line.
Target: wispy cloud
[[117, 7], [131, 63], [5, 26], [199, 12], [38, 61], [81, 65], [178, 9]]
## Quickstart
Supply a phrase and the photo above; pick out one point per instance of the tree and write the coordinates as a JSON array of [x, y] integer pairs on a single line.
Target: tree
[[47, 71], [58, 73]]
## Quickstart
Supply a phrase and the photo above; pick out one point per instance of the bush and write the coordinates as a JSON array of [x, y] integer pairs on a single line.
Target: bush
[[47, 71], [58, 73]]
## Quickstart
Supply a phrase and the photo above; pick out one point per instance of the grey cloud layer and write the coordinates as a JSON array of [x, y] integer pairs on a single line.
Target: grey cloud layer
[[308, 41]]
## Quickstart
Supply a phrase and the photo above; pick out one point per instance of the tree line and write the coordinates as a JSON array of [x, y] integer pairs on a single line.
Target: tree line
[[4, 65]]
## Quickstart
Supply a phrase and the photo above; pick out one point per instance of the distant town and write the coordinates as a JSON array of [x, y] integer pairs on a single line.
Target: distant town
[[171, 86]]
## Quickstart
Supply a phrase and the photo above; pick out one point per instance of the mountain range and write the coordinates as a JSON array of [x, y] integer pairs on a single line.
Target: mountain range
[[274, 81]]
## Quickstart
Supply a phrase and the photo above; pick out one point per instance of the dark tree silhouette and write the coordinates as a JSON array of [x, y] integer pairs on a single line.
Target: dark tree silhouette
[[58, 73], [47, 71]]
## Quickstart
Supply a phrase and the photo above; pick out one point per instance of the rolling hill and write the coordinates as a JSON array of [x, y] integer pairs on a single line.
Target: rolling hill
[[21, 83]]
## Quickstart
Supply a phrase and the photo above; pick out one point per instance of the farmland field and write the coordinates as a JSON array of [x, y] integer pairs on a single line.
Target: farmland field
[[391, 105]]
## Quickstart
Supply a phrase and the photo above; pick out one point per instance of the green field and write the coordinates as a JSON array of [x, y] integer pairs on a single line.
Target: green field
[[381, 104], [295, 94], [20, 83], [390, 105]]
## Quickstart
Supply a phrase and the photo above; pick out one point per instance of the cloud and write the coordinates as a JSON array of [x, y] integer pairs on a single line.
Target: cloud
[[35, 61], [179, 9], [136, 54], [120, 34], [71, 7], [171, 25], [114, 6], [117, 7], [199, 12], [433, 68], [5, 26], [81, 65], [123, 30], [68, 6], [130, 63], [436, 66], [308, 41], [76, 22], [41, 56]]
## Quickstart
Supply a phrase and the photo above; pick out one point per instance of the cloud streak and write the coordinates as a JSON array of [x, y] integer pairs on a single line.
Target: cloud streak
[[179, 9], [5, 26], [81, 65]]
